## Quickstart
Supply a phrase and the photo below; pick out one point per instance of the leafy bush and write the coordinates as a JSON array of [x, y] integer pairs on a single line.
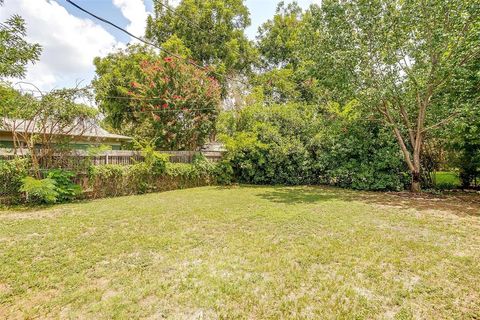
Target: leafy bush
[[39, 190], [359, 156], [299, 144], [11, 174], [66, 189], [153, 159], [223, 172], [115, 180]]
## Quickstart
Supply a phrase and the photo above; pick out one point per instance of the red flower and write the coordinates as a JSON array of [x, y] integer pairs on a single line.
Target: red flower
[[177, 97], [165, 105], [135, 84], [168, 59]]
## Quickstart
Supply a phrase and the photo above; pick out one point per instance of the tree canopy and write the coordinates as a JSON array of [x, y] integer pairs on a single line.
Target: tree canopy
[[15, 51], [211, 30], [157, 97], [395, 57], [404, 67]]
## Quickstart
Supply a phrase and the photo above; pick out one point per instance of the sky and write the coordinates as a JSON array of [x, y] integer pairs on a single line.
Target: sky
[[71, 39]]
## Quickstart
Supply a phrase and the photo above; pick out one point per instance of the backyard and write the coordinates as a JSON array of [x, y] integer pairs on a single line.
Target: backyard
[[244, 252]]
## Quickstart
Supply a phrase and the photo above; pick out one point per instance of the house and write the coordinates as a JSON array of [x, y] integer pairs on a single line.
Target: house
[[80, 135], [213, 146]]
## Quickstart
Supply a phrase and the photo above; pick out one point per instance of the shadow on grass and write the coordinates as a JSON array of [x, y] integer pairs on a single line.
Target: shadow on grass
[[297, 195], [459, 203]]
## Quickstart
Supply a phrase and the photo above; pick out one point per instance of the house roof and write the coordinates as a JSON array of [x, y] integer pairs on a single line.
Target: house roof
[[214, 146], [87, 128]]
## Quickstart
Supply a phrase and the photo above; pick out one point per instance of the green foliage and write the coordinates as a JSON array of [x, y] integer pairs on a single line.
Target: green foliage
[[15, 51], [144, 177], [298, 144], [463, 134], [153, 159], [399, 59], [278, 38], [175, 45], [56, 187], [165, 99], [224, 173], [11, 174], [114, 75], [358, 155], [39, 190], [65, 188], [221, 22]]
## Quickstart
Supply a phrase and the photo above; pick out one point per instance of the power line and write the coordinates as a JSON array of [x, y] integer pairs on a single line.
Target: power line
[[103, 97], [180, 109], [150, 43]]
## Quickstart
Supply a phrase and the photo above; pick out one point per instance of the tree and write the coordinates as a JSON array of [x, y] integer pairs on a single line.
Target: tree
[[278, 38], [15, 51], [462, 135], [114, 74], [50, 121], [154, 97], [395, 57], [212, 30], [284, 77]]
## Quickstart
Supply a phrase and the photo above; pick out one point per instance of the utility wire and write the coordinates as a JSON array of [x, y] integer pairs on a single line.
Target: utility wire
[[150, 43], [181, 109]]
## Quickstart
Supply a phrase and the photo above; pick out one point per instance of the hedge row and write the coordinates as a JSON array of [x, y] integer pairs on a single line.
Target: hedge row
[[18, 186]]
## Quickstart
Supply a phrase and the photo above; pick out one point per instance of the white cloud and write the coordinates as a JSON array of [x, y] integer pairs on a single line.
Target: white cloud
[[69, 43], [136, 13]]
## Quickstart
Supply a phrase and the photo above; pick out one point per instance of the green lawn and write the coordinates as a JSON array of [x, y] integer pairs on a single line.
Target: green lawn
[[244, 252], [447, 179]]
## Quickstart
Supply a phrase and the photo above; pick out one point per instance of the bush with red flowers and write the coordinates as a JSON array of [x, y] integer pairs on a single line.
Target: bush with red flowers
[[180, 101]]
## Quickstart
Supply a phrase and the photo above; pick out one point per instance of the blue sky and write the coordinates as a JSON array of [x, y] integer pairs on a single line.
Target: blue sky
[[71, 39]]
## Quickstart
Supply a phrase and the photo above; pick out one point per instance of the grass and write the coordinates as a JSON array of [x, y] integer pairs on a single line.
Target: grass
[[447, 179], [244, 253]]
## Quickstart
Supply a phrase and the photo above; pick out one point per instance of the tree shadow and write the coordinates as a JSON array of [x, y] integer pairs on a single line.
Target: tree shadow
[[459, 203], [298, 195]]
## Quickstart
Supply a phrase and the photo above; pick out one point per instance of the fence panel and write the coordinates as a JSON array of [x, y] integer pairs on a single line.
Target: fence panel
[[121, 157]]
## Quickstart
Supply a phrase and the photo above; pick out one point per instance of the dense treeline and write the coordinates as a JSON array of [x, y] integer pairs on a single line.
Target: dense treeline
[[302, 144], [407, 69], [364, 94]]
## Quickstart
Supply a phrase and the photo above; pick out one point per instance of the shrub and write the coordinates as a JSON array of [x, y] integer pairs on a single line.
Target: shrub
[[223, 173], [360, 156], [106, 180], [11, 174], [66, 189], [39, 190], [299, 144], [115, 180]]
